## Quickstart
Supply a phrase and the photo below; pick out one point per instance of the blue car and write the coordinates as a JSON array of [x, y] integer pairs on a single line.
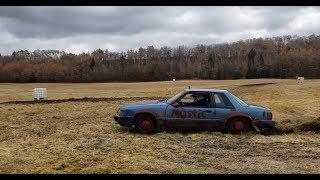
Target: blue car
[[196, 109]]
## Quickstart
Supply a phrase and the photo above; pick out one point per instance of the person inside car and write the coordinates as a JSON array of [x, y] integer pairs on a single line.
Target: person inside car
[[201, 100]]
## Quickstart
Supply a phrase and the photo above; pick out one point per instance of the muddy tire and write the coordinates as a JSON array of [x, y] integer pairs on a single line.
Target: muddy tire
[[238, 126], [145, 124]]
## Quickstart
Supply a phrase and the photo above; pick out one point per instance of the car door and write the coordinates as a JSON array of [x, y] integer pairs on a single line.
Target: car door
[[222, 108], [190, 115]]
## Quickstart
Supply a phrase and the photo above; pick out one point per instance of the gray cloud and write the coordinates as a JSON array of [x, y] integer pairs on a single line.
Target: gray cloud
[[82, 29]]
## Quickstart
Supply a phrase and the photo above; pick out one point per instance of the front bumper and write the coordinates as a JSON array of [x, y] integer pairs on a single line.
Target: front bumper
[[124, 121], [265, 124]]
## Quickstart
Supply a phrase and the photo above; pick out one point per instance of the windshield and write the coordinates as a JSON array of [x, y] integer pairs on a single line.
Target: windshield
[[239, 100], [171, 100]]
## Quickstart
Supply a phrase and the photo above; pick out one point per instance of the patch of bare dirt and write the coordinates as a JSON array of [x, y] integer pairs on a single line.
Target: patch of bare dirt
[[256, 84]]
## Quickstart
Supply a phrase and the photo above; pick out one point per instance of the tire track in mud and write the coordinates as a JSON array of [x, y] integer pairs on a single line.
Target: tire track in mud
[[86, 99], [311, 126]]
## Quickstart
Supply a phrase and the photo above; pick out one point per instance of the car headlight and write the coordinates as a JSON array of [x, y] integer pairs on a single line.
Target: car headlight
[[119, 113]]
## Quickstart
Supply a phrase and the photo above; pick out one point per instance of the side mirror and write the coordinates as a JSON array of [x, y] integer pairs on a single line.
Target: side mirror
[[175, 104]]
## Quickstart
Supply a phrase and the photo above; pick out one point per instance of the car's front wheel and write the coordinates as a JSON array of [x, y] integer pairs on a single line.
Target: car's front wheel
[[145, 124], [238, 126]]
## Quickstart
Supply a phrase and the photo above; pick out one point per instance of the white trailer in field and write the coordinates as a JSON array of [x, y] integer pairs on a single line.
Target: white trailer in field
[[40, 94], [300, 80]]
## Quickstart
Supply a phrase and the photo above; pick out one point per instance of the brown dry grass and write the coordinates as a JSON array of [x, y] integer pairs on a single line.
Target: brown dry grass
[[82, 137]]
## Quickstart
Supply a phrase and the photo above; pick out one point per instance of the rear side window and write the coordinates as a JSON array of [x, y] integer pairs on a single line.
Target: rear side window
[[221, 101]]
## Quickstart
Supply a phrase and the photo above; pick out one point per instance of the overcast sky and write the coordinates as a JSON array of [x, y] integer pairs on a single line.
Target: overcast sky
[[83, 29]]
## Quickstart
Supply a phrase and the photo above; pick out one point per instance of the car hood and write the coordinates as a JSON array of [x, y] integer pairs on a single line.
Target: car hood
[[144, 103]]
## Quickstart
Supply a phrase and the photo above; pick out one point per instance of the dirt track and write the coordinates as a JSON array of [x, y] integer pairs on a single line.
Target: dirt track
[[85, 99], [313, 125]]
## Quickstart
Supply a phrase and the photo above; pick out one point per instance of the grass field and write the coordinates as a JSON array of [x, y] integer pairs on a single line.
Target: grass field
[[82, 137]]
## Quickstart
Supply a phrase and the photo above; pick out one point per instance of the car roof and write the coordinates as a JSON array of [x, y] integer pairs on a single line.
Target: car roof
[[207, 90]]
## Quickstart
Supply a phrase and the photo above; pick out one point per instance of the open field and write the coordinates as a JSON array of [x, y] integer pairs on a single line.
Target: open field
[[82, 137]]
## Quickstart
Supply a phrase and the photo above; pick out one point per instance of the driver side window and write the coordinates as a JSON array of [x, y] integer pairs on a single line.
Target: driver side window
[[196, 99], [188, 99]]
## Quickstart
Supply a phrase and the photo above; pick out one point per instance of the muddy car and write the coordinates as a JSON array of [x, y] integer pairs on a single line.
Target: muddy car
[[196, 109]]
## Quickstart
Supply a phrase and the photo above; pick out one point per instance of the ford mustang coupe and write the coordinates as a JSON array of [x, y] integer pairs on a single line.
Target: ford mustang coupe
[[196, 109]]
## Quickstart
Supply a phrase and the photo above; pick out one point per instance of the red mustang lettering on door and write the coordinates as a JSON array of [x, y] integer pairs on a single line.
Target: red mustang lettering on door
[[190, 113]]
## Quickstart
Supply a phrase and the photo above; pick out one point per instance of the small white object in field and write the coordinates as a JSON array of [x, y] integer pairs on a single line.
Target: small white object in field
[[40, 94], [300, 80], [173, 80]]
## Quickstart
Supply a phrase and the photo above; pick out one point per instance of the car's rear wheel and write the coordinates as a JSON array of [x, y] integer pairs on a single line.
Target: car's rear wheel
[[145, 124], [238, 126]]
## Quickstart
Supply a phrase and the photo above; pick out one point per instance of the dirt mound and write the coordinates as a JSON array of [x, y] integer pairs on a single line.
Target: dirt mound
[[313, 126], [258, 84]]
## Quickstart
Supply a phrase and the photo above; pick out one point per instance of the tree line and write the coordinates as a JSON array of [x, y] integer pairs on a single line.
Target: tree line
[[277, 57]]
